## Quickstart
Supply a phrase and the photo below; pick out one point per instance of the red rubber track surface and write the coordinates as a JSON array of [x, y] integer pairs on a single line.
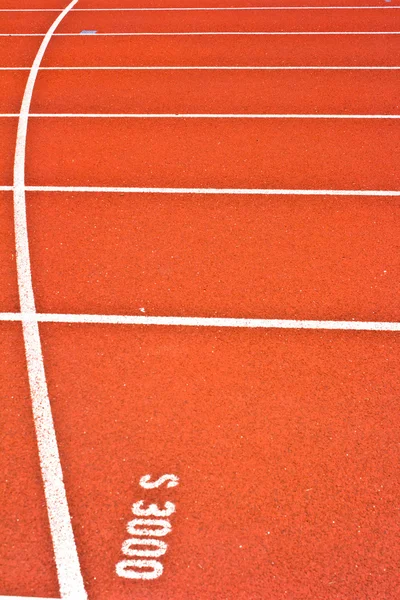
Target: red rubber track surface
[[27, 565], [8, 288], [23, 22], [280, 20], [8, 131], [298, 257], [214, 153], [222, 50], [18, 52], [286, 451], [285, 92], [284, 440], [12, 83], [179, 3]]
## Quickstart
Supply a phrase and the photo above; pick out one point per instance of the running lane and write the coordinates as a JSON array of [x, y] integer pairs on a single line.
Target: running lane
[[8, 288], [216, 256], [14, 82], [18, 51], [8, 131], [27, 565], [249, 20], [220, 50], [210, 91], [222, 153], [284, 444]]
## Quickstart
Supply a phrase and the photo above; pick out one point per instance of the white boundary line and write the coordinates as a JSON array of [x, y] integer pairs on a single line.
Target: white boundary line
[[233, 191], [65, 553], [201, 321], [148, 9], [210, 68], [25, 598], [227, 191], [183, 33], [197, 116]]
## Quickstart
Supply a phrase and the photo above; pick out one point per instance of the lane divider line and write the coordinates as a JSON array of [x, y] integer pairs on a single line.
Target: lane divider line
[[227, 191], [197, 116], [217, 8], [211, 68], [201, 321], [65, 552], [179, 33], [233, 191], [25, 598]]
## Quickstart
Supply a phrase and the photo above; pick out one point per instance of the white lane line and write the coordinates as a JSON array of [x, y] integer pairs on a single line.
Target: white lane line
[[202, 321], [65, 553], [234, 191], [198, 116], [6, 188], [182, 33], [147, 9], [25, 598], [208, 68]]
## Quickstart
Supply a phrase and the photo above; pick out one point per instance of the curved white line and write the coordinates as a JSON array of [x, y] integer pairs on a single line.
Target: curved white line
[[66, 556]]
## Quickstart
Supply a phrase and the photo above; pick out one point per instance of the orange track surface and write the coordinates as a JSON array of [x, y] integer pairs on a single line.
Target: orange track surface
[[204, 21], [270, 432], [223, 50], [316, 20], [214, 153], [8, 287], [27, 564], [284, 440], [349, 92], [302, 257], [8, 130]]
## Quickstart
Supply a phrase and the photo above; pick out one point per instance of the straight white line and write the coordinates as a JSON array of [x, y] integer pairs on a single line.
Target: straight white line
[[65, 553], [210, 68], [198, 116], [234, 191], [182, 33], [25, 598], [202, 321], [6, 188], [229, 8]]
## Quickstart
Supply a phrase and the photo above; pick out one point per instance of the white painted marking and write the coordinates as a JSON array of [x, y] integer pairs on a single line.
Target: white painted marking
[[163, 527], [145, 481], [252, 191], [126, 569], [229, 8], [198, 116], [180, 33], [129, 547], [210, 68], [66, 557], [202, 322], [235, 191], [26, 598], [153, 510]]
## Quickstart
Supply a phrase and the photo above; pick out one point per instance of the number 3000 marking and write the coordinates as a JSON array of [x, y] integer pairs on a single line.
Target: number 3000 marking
[[146, 532]]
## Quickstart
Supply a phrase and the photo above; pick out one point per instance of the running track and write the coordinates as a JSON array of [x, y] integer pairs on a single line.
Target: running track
[[199, 265]]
